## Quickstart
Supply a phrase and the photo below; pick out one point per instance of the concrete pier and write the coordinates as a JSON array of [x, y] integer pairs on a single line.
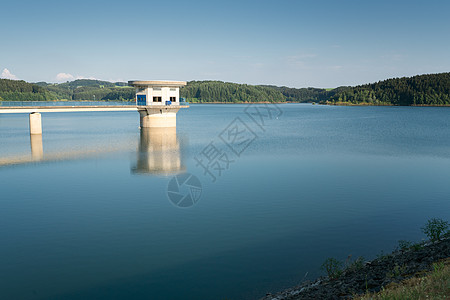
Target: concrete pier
[[35, 123], [159, 117]]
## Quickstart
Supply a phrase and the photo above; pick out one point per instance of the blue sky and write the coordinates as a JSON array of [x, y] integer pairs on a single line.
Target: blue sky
[[293, 43]]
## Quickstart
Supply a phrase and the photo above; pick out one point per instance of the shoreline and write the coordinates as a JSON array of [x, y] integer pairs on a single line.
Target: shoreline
[[371, 276], [357, 104], [382, 104]]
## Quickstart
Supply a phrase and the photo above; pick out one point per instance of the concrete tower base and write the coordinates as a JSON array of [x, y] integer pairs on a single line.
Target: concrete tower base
[[35, 123], [158, 116]]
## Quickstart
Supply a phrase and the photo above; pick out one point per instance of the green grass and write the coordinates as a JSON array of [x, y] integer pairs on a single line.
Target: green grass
[[433, 285], [333, 267]]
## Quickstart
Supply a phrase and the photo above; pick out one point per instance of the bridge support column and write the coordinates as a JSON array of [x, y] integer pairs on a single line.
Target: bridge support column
[[35, 123], [158, 117]]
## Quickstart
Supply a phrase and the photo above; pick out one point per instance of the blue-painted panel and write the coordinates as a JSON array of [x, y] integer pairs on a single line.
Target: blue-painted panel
[[141, 100]]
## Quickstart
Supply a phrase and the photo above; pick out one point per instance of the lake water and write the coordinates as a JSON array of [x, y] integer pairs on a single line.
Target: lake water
[[93, 211]]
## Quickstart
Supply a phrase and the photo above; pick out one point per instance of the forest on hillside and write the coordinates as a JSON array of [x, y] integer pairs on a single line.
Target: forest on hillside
[[218, 91], [431, 89], [19, 90], [306, 94], [87, 89], [83, 89]]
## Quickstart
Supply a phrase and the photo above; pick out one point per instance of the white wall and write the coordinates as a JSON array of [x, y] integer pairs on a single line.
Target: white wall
[[164, 92]]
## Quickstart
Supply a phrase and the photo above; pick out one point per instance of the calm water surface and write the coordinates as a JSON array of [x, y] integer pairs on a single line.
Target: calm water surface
[[86, 214]]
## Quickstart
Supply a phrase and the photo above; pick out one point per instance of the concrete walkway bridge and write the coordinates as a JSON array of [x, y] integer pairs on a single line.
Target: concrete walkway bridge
[[150, 116], [157, 102]]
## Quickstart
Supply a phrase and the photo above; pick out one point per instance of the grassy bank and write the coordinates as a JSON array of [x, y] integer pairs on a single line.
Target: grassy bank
[[431, 285], [412, 271]]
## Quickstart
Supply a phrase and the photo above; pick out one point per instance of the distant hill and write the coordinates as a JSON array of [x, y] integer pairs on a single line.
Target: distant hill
[[218, 91], [306, 94], [431, 89], [87, 89], [23, 91]]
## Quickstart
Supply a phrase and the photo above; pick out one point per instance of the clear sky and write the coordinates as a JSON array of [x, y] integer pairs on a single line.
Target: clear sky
[[293, 43]]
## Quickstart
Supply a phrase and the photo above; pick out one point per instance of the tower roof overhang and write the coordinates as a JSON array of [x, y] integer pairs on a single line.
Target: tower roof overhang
[[159, 83]]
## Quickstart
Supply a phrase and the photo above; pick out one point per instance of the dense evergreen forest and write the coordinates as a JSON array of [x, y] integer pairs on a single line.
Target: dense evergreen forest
[[306, 94], [218, 91], [23, 91], [432, 89], [87, 89]]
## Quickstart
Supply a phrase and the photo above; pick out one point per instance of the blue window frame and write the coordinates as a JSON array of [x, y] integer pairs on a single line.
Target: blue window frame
[[141, 100]]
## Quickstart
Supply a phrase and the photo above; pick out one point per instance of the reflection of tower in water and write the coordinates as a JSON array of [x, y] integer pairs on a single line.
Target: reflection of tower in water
[[159, 152], [37, 149]]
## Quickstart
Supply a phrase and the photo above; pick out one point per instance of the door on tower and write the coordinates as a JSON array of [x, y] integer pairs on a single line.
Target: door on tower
[[141, 100]]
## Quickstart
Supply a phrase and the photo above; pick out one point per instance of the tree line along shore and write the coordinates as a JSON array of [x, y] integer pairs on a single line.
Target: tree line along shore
[[420, 90]]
